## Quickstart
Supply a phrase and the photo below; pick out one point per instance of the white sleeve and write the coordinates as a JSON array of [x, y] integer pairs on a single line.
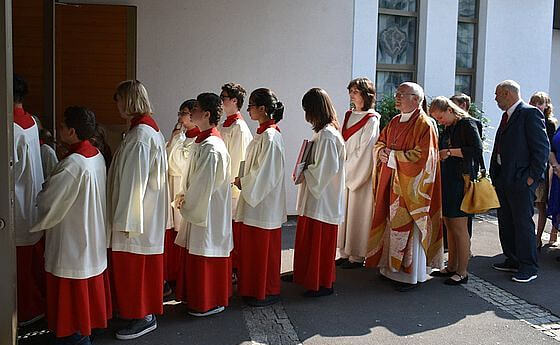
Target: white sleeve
[[128, 214], [319, 174], [57, 197], [263, 177], [49, 161], [359, 164], [199, 191], [237, 147], [175, 153]]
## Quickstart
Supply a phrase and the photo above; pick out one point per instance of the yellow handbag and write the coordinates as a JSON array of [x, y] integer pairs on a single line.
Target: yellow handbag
[[480, 195]]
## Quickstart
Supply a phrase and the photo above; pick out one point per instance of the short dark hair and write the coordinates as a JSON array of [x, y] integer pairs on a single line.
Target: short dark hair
[[236, 91], [319, 109], [20, 88], [82, 120], [367, 90], [189, 104], [265, 97], [211, 102], [46, 136]]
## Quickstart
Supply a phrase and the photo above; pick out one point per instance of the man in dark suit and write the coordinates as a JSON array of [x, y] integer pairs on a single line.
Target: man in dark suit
[[517, 166]]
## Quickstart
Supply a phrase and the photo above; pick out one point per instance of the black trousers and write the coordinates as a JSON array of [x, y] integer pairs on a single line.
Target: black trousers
[[516, 226]]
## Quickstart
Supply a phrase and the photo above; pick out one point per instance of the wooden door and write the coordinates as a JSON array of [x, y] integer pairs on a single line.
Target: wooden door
[[95, 49]]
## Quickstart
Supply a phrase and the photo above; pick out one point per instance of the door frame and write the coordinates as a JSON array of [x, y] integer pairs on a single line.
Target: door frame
[[8, 288]]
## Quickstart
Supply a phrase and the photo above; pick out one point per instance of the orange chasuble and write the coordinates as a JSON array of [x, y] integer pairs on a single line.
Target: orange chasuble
[[407, 196]]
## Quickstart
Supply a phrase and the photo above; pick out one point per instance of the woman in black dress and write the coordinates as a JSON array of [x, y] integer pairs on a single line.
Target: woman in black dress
[[460, 154]]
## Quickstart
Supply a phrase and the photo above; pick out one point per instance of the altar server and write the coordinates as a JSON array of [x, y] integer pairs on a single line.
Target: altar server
[[179, 148], [28, 178], [204, 281], [72, 211], [262, 204], [137, 206], [236, 136], [320, 199]]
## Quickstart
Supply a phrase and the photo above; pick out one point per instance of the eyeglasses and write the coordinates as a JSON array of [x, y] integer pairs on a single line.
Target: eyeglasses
[[222, 97], [183, 113], [398, 94]]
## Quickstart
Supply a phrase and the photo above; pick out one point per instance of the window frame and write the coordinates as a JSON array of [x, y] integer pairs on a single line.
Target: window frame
[[400, 68], [461, 71]]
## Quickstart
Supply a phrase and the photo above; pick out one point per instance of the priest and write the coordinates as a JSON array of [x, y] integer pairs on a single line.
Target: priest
[[406, 240]]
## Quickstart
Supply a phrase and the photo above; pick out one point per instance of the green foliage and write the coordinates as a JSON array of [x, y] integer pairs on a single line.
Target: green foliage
[[387, 110]]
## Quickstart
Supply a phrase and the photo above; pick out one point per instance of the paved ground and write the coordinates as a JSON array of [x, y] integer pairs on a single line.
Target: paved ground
[[366, 310]]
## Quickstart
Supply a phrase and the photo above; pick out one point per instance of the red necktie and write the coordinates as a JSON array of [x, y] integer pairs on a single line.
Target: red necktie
[[503, 123]]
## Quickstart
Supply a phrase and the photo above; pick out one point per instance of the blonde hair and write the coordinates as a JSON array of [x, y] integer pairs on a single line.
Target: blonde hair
[[134, 96], [443, 103], [542, 98]]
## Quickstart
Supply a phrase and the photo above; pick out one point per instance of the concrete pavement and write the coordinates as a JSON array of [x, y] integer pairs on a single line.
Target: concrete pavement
[[366, 310]]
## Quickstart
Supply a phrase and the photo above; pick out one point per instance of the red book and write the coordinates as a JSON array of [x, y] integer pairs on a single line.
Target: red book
[[304, 159]]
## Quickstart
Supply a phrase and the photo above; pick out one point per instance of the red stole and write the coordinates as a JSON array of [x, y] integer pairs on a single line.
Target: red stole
[[143, 119], [193, 132], [268, 124], [348, 132], [23, 119], [206, 134], [84, 148], [232, 118]]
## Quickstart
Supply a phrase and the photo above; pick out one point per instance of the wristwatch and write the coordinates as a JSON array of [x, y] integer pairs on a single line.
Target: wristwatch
[[448, 152]]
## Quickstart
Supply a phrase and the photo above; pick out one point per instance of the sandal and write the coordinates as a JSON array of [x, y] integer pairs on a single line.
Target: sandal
[[451, 281], [443, 273]]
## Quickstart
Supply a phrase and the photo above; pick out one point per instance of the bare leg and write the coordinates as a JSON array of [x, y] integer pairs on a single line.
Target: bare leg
[[458, 227], [451, 247], [541, 223]]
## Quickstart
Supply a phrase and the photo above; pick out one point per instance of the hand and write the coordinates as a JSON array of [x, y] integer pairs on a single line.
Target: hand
[[530, 181], [179, 201], [384, 155], [556, 170], [237, 183], [443, 154]]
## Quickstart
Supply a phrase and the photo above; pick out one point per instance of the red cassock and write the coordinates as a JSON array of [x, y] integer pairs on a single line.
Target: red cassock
[[138, 284], [171, 253], [235, 253], [206, 282], [259, 262], [31, 280], [314, 253], [78, 305]]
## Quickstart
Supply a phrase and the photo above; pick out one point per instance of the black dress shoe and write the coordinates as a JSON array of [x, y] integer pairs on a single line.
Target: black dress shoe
[[340, 261], [319, 293], [442, 274], [505, 267], [348, 265], [461, 280], [287, 277], [404, 287]]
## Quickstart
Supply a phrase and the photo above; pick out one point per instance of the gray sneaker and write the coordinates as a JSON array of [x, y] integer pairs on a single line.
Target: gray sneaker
[[137, 328]]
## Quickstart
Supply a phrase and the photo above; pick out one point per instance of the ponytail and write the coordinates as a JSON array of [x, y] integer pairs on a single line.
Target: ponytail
[[265, 97], [278, 113]]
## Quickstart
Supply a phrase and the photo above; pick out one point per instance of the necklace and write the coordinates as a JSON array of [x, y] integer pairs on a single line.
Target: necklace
[[393, 145]]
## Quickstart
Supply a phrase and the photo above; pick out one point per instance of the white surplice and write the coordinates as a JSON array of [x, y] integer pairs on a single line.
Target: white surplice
[[48, 159], [206, 228], [262, 202], [178, 154], [321, 194], [28, 178], [236, 138], [137, 194], [72, 211], [354, 231]]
